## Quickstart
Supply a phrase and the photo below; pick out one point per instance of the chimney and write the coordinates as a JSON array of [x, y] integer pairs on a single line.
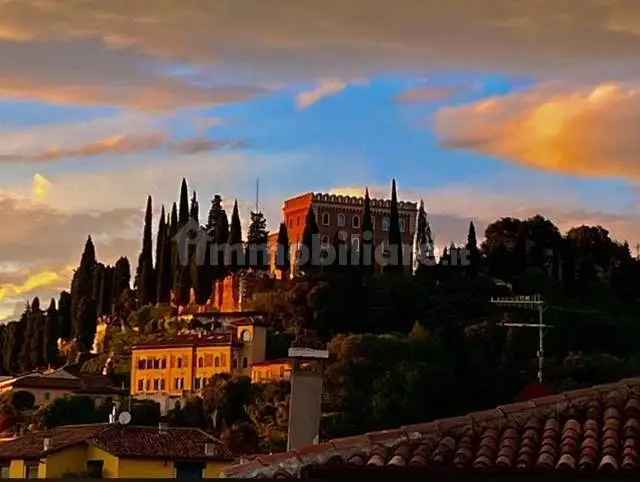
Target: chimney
[[163, 427], [46, 444], [209, 449], [305, 402]]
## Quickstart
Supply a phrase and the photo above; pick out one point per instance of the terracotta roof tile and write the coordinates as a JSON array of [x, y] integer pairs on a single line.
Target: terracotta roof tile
[[589, 430]]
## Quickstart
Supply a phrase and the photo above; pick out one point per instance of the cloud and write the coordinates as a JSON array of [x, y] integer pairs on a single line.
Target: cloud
[[588, 131], [195, 145], [428, 94], [325, 88], [33, 282], [41, 186]]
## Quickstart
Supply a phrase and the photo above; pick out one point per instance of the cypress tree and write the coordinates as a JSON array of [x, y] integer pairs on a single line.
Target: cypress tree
[[163, 262], [235, 239], [183, 214], [366, 237], [145, 276], [14, 341], [283, 261], [194, 210], [36, 340], [173, 225], [473, 252], [395, 237], [50, 341], [83, 325], [309, 234], [64, 315], [257, 242], [121, 277], [24, 350], [423, 245]]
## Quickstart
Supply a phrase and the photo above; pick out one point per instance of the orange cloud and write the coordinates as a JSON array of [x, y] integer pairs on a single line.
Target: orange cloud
[[586, 131], [33, 282]]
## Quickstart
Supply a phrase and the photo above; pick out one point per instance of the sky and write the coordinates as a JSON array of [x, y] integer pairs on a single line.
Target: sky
[[483, 109]]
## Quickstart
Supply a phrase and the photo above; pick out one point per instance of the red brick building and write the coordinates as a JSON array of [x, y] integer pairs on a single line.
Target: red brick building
[[342, 215]]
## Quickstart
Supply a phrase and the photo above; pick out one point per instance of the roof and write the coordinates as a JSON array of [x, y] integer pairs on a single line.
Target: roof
[[591, 430], [120, 441], [217, 339], [63, 380], [275, 361]]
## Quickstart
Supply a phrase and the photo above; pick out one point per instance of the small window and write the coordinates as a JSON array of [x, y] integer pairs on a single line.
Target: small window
[[385, 223], [223, 360], [164, 363], [208, 360], [341, 220], [148, 385], [141, 364], [156, 384], [200, 362], [179, 363], [355, 243], [176, 384], [245, 362], [217, 362], [325, 219], [196, 383], [31, 470], [355, 221], [162, 384], [324, 240], [156, 363], [235, 363], [140, 385]]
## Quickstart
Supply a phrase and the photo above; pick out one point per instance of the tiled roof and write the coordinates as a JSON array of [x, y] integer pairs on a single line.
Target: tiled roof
[[275, 361], [584, 431], [217, 339], [121, 441]]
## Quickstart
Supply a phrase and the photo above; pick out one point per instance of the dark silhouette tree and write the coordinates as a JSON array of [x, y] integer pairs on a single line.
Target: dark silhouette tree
[[472, 251], [35, 341], [173, 223], [367, 243], [184, 212], [12, 347], [395, 237], [145, 274], [305, 262], [83, 305], [235, 240], [163, 261], [50, 341], [64, 315], [257, 237], [121, 277], [194, 210]]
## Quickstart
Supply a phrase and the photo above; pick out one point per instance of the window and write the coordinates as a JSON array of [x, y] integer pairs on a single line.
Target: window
[[217, 362], [162, 384], [325, 219], [223, 360], [179, 362], [342, 235], [341, 220], [200, 362], [385, 223], [31, 470], [324, 240], [235, 363], [141, 364], [355, 221], [4, 471], [355, 243], [196, 383], [282, 371], [245, 362], [156, 384], [148, 385], [140, 385], [179, 383], [164, 363], [204, 382], [401, 222], [208, 360], [373, 222]]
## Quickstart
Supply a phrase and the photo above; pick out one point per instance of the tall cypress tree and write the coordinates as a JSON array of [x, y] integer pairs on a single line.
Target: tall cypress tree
[[194, 210], [121, 277], [423, 244], [145, 275], [64, 315], [473, 253], [235, 239], [83, 321], [163, 261], [395, 237], [283, 261], [366, 237], [183, 214], [50, 341], [309, 234], [36, 339], [173, 225], [24, 353], [14, 341]]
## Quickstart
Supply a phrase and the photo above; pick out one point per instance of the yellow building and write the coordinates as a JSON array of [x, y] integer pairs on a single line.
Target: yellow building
[[184, 365], [271, 370], [114, 451]]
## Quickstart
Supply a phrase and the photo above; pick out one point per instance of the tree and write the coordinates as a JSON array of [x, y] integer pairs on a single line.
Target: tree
[[121, 277], [473, 252], [145, 275], [184, 213], [194, 210], [69, 410], [226, 396], [163, 262], [395, 237], [283, 261], [235, 240], [24, 356], [83, 310], [366, 237], [64, 315], [257, 236], [173, 224], [50, 339], [305, 260], [14, 341], [423, 245]]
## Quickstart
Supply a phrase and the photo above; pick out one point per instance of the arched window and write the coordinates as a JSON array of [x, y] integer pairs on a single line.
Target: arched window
[[385, 223], [355, 243], [223, 360], [200, 362], [179, 362], [355, 221], [325, 219], [163, 363], [341, 220], [324, 240], [216, 362]]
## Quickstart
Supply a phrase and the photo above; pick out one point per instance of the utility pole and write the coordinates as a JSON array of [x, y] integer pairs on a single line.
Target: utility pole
[[535, 303]]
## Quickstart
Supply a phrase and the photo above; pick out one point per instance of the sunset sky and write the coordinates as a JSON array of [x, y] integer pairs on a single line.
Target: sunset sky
[[482, 108]]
